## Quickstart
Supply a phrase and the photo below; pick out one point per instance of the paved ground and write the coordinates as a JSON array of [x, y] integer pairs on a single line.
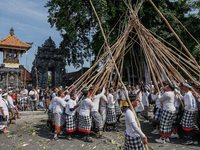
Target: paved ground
[[30, 132]]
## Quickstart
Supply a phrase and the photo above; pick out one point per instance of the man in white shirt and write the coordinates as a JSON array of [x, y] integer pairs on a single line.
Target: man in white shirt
[[158, 112], [103, 110], [58, 111], [33, 99], [166, 120], [117, 104], [97, 118], [24, 98], [123, 97], [4, 113], [111, 118], [10, 106], [84, 115], [145, 101], [70, 110], [133, 133], [187, 121]]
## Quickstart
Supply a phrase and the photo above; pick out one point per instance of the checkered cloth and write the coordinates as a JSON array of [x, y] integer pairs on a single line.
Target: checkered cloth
[[50, 115], [59, 119], [166, 123], [23, 102], [97, 118], [111, 116], [85, 124], [187, 119], [176, 117], [145, 112], [158, 114], [70, 123], [133, 143], [118, 110]]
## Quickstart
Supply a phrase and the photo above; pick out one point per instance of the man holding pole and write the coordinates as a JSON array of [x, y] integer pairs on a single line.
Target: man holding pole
[[133, 133]]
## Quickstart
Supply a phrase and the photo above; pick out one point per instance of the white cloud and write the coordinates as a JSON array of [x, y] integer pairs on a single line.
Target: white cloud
[[24, 8]]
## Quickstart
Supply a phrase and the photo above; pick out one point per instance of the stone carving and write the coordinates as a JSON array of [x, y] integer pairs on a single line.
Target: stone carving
[[49, 58], [13, 77]]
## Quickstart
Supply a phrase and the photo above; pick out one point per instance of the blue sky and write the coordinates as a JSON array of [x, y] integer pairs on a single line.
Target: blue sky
[[29, 21]]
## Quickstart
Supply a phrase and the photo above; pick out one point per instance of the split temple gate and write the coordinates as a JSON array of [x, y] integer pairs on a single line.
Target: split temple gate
[[11, 70], [49, 63]]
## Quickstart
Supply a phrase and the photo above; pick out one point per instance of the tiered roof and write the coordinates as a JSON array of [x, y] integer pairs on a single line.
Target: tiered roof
[[12, 42]]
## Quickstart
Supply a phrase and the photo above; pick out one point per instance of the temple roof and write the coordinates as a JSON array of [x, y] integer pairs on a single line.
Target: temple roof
[[12, 42]]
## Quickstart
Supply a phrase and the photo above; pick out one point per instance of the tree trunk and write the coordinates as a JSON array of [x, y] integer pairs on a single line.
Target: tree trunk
[[132, 70], [128, 73], [147, 80]]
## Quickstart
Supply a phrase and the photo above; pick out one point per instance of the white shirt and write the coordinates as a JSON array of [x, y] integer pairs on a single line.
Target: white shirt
[[70, 104], [103, 100], [67, 97], [189, 101], [139, 108], [86, 105], [3, 104], [145, 99], [10, 102], [52, 102], [59, 105], [116, 97], [96, 100], [136, 91], [33, 93], [24, 93], [177, 102], [132, 128], [156, 99], [111, 102], [123, 94], [168, 100]]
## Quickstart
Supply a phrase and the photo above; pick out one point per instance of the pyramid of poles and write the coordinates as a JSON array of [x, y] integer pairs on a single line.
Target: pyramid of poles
[[161, 60]]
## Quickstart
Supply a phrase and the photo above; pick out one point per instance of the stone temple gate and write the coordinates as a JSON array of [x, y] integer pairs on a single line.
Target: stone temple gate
[[49, 60]]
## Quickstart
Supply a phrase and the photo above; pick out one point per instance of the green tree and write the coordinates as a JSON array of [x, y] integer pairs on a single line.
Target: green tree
[[76, 22]]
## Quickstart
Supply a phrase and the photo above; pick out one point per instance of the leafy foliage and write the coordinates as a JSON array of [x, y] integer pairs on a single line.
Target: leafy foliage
[[80, 30]]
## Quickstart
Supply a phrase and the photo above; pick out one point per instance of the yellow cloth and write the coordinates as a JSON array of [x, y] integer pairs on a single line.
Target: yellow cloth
[[124, 103]]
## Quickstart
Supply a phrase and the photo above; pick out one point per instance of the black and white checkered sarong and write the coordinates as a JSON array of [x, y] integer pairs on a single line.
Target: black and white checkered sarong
[[50, 115], [70, 123], [85, 124], [118, 110], [59, 119], [97, 118], [133, 143], [111, 116], [166, 123], [23, 102], [158, 114], [176, 116], [187, 119]]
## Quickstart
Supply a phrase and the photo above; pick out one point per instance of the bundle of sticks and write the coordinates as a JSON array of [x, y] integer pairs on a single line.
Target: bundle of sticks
[[161, 60]]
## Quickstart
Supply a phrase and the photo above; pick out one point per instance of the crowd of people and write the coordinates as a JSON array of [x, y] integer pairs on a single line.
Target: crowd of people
[[176, 108]]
